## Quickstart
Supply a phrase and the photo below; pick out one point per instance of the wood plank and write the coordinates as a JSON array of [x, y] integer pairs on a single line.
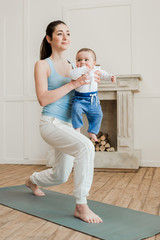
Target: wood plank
[[140, 195]]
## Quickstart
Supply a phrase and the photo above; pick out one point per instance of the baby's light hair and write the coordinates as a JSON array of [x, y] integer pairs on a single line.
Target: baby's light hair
[[88, 50]]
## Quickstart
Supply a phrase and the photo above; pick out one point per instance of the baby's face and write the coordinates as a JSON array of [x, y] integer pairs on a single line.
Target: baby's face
[[85, 58]]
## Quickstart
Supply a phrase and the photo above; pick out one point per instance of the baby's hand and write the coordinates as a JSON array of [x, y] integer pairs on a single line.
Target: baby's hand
[[113, 79]]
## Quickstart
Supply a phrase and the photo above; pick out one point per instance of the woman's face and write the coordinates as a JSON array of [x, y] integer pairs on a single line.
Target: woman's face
[[60, 37]]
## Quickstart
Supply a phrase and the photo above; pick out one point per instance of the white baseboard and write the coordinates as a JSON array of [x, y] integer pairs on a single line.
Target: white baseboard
[[44, 162], [149, 164]]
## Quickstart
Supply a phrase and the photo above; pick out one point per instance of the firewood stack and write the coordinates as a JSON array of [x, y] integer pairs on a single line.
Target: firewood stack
[[103, 143]]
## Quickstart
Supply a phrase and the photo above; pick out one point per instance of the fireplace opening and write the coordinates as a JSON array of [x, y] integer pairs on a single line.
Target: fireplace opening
[[109, 121]]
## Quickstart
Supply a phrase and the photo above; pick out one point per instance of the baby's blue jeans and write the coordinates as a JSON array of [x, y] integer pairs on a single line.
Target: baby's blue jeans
[[88, 104]]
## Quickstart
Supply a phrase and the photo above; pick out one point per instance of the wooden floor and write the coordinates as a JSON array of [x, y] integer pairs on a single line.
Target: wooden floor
[[138, 191]]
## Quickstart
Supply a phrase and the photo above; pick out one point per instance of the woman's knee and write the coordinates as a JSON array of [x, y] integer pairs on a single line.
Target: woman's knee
[[63, 179], [87, 146], [90, 145], [60, 179]]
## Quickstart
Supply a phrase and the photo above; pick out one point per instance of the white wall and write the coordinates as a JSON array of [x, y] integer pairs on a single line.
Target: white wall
[[125, 36]]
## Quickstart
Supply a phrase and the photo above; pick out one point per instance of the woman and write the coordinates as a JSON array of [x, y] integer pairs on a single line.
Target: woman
[[54, 91]]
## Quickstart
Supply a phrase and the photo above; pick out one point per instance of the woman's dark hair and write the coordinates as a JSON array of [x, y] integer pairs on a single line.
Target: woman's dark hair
[[45, 49]]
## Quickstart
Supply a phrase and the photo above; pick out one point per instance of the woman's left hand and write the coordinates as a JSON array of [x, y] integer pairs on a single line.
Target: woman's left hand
[[97, 76]]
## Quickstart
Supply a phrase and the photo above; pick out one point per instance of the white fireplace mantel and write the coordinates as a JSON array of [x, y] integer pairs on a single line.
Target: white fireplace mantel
[[125, 156], [108, 90]]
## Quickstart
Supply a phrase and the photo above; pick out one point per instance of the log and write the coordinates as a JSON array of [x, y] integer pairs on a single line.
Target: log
[[97, 149], [111, 149], [102, 148], [103, 143], [107, 145], [104, 136]]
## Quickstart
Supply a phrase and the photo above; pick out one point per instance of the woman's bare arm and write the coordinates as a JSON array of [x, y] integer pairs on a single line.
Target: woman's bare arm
[[46, 96]]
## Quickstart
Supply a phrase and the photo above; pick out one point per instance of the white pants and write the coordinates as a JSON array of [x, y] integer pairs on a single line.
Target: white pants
[[71, 148]]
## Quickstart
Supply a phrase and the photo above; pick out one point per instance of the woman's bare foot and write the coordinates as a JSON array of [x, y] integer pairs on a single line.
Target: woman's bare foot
[[83, 212], [93, 136], [35, 189]]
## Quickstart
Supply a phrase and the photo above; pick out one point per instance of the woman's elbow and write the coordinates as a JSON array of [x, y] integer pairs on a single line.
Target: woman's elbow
[[42, 103]]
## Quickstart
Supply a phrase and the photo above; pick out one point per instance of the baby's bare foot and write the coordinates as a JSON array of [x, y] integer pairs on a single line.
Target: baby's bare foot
[[93, 136], [35, 189], [83, 212]]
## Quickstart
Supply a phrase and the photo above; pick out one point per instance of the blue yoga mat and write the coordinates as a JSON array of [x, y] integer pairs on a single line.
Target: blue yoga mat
[[118, 223]]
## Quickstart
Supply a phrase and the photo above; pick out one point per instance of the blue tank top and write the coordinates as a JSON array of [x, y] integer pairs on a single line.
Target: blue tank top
[[60, 109]]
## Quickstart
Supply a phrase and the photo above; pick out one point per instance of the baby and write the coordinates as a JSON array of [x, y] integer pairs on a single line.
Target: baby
[[85, 100]]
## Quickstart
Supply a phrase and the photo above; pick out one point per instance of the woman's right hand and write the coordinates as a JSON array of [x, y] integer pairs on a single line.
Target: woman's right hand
[[80, 81]]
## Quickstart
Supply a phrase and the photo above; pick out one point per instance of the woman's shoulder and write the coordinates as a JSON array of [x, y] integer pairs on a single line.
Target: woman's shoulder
[[42, 67], [42, 64]]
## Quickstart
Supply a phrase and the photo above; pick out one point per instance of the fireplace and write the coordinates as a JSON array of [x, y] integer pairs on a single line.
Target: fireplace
[[118, 121]]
